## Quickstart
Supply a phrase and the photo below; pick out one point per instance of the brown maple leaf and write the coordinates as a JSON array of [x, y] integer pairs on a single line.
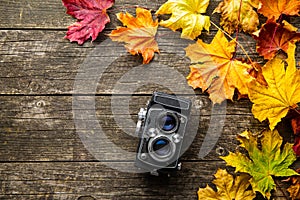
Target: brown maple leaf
[[273, 37], [238, 13], [296, 125], [273, 9], [91, 16], [256, 72], [139, 33], [215, 70], [294, 188]]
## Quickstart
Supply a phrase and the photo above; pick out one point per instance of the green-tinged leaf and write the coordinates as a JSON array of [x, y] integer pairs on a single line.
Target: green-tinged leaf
[[265, 162]]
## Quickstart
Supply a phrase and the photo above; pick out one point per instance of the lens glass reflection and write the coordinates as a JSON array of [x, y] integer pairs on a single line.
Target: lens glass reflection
[[168, 122], [161, 147]]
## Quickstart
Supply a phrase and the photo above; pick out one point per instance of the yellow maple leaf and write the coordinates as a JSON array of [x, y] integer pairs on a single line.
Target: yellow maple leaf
[[186, 15], [139, 33], [238, 13], [214, 69], [273, 102], [228, 188]]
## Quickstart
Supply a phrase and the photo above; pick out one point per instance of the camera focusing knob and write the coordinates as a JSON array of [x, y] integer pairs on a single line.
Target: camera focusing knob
[[142, 114], [141, 118]]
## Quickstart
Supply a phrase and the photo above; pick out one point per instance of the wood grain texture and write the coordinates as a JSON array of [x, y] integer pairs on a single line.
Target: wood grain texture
[[36, 14], [65, 180], [42, 62], [41, 128], [42, 156]]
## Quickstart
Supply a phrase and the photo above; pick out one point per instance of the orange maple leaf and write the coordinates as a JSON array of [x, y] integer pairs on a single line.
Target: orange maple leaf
[[139, 33], [273, 9], [215, 70], [273, 37]]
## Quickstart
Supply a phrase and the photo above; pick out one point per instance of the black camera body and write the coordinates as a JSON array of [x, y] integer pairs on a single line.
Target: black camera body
[[161, 128]]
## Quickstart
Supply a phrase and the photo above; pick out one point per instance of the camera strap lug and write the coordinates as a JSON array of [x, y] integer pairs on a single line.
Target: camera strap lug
[[154, 173]]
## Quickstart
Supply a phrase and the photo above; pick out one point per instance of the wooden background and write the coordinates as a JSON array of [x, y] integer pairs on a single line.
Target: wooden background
[[42, 156]]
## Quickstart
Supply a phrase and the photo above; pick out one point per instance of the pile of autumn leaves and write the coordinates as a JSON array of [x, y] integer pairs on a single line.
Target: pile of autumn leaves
[[273, 88]]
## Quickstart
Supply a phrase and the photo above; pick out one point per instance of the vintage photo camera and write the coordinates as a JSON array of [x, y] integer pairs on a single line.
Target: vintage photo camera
[[161, 128]]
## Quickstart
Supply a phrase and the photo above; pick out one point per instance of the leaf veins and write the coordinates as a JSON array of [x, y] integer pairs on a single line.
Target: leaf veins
[[91, 15]]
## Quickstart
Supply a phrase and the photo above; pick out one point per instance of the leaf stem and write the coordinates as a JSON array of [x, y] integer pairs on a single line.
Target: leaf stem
[[296, 109], [274, 33], [241, 46], [237, 27]]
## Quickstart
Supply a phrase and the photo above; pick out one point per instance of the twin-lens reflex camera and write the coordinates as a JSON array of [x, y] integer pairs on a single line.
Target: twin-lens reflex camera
[[161, 128]]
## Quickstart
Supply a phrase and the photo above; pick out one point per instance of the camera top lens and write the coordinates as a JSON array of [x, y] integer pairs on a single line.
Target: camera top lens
[[168, 122]]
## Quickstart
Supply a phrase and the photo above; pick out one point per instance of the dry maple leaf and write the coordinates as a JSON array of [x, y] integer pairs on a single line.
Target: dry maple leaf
[[186, 15], [265, 162], [256, 72], [296, 146], [91, 15], [296, 125], [294, 116], [139, 33], [238, 13], [273, 102], [273, 37], [294, 188], [214, 69], [273, 9], [228, 188]]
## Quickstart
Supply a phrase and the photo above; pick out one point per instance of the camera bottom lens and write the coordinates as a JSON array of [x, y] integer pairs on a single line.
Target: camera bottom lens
[[161, 147]]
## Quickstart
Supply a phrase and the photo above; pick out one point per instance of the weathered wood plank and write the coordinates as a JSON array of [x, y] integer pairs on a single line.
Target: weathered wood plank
[[41, 128], [42, 62], [99, 181], [41, 154], [36, 14], [65, 180]]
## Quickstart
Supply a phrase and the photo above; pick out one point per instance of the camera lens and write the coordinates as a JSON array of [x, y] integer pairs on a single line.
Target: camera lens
[[168, 122], [161, 147]]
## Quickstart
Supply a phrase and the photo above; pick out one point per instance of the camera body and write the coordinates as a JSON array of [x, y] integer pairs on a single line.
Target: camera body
[[161, 128]]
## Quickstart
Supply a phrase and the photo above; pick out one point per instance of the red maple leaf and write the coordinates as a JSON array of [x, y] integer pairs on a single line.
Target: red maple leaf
[[273, 37], [296, 146], [91, 16]]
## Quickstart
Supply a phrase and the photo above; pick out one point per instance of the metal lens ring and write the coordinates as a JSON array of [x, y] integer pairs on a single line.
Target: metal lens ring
[[161, 148], [168, 122]]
